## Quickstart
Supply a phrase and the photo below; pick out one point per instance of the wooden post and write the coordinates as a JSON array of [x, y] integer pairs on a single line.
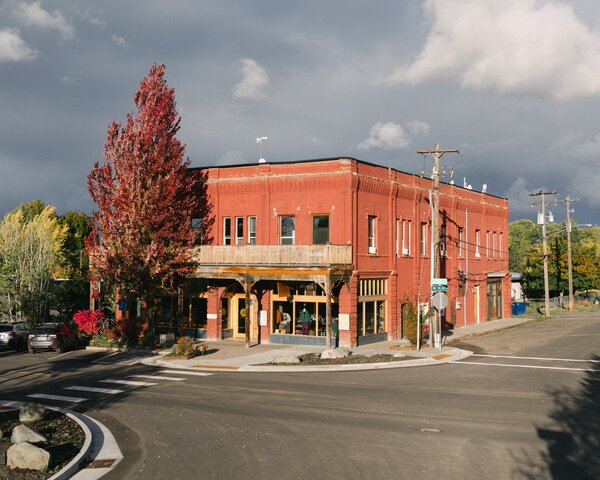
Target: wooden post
[[327, 312]]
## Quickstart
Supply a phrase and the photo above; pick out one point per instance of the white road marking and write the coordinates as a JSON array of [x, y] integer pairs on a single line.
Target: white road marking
[[187, 372], [459, 362], [112, 391], [130, 361], [101, 360], [158, 377], [58, 397], [582, 335], [130, 382], [536, 358]]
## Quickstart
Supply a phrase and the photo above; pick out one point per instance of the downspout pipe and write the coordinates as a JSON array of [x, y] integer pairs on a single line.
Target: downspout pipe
[[466, 266]]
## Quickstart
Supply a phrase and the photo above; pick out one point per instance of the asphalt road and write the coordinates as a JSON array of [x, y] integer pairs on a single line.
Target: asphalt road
[[527, 405]]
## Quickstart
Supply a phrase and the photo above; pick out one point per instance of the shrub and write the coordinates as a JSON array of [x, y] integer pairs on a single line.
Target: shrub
[[185, 347], [88, 321], [147, 340], [410, 320]]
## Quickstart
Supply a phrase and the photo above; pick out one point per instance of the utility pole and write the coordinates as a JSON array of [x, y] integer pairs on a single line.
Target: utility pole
[[542, 218], [437, 154], [567, 201]]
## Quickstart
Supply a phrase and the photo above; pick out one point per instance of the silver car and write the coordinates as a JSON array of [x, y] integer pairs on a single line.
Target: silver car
[[52, 336], [13, 335]]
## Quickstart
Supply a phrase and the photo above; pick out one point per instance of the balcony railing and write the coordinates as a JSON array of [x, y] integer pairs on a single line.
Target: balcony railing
[[271, 255]]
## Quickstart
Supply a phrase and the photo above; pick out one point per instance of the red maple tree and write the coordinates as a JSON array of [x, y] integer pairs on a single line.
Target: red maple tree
[[146, 196]]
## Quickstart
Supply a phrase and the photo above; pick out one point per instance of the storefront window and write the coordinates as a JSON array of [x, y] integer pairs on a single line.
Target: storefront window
[[303, 318], [371, 317]]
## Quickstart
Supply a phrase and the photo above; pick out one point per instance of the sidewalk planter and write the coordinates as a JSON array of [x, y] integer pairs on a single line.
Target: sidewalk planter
[[518, 308]]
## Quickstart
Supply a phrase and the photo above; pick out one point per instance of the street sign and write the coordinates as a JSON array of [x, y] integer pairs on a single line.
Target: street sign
[[439, 288], [439, 300], [439, 281]]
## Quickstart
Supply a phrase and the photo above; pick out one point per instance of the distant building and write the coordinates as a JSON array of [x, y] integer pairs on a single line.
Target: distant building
[[283, 234]]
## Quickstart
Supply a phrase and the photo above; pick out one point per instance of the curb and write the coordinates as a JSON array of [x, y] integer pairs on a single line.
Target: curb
[[454, 355], [86, 452]]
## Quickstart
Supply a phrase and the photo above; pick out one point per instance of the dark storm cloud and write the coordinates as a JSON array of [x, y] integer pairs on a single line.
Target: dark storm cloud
[[318, 78]]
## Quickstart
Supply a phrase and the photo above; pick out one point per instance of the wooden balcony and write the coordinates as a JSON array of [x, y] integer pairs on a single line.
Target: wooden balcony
[[272, 255]]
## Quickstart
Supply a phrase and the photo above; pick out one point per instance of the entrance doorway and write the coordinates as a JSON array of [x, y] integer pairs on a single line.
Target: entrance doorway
[[237, 316], [494, 300]]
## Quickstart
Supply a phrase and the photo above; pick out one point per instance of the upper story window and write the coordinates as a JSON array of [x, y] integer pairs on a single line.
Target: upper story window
[[320, 229], [423, 239], [287, 229], [406, 227], [487, 244], [239, 230], [494, 251], [501, 244], [197, 227], [227, 231], [477, 243], [371, 234], [251, 230], [398, 236], [443, 241], [461, 241]]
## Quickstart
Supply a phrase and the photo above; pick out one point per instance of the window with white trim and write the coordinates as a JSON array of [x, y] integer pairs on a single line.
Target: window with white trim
[[477, 240], [251, 230], [239, 230], [406, 228], [227, 231], [423, 239], [287, 229], [371, 232]]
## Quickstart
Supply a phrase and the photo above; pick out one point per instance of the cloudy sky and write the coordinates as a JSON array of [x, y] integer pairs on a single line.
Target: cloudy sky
[[513, 84]]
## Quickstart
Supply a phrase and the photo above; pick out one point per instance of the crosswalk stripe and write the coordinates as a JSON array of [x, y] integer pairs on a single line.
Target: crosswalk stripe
[[112, 391], [159, 377], [538, 367], [187, 372], [60, 398], [549, 359], [130, 382]]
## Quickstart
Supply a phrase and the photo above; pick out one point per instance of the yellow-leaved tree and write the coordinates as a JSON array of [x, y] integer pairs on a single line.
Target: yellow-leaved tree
[[31, 249]]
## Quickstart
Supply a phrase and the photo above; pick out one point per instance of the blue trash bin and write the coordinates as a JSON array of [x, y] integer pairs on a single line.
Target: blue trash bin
[[518, 308]]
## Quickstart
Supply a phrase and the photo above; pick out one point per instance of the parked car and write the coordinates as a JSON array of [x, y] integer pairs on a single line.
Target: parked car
[[13, 335], [52, 336]]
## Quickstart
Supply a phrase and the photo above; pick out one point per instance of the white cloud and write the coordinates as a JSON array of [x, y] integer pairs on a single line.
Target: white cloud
[[13, 48], [254, 81], [519, 200], [417, 127], [392, 135], [32, 14], [119, 41], [513, 46], [388, 135]]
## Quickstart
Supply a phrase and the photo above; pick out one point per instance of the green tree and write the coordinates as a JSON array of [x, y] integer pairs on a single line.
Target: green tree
[[31, 248], [522, 237], [70, 291]]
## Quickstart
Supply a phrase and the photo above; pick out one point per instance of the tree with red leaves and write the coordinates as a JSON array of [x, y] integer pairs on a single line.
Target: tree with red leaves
[[145, 196]]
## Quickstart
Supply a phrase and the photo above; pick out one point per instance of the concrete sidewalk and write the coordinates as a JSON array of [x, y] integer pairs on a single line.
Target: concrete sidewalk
[[233, 356]]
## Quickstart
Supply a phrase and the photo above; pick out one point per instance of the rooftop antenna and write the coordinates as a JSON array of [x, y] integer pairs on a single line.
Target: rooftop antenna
[[260, 141]]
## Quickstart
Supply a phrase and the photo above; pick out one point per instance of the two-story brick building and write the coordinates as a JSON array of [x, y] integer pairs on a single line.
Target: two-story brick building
[[292, 244]]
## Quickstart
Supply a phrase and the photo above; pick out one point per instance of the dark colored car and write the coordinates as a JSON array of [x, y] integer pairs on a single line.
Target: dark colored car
[[13, 335], [52, 336]]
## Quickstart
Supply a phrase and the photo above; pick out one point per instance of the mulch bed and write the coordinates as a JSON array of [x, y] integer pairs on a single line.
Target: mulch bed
[[314, 359], [65, 440]]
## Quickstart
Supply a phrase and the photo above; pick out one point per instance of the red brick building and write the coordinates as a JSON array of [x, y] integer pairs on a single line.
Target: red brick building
[[290, 241]]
